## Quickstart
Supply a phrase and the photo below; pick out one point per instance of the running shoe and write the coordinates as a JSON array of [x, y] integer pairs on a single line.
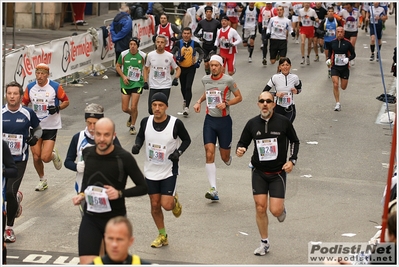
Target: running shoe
[[321, 48], [56, 159], [212, 194], [42, 185], [377, 58], [303, 61], [178, 207], [160, 241], [128, 123], [263, 249], [133, 130], [249, 60], [185, 112], [337, 107], [307, 61], [352, 62], [316, 59], [228, 163], [365, 29], [281, 218], [297, 41], [372, 57], [20, 196], [9, 236], [329, 73], [264, 62], [362, 26]]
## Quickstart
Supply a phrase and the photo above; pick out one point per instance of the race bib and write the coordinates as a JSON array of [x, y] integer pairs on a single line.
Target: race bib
[[231, 12], [160, 73], [267, 149], [14, 142], [250, 19], [330, 32], [133, 74], [339, 59], [40, 107], [351, 25], [97, 199], [285, 101], [156, 153], [213, 98], [208, 36]]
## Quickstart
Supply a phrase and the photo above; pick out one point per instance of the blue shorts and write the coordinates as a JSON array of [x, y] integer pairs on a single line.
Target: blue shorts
[[378, 28], [220, 128], [163, 187]]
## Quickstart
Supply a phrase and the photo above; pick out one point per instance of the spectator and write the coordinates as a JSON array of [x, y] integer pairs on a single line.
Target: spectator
[[121, 31], [79, 14]]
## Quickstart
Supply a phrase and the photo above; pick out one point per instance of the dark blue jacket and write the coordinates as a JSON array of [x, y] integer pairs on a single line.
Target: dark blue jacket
[[121, 31]]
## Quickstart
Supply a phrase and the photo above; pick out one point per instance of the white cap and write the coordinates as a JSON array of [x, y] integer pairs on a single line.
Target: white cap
[[217, 58]]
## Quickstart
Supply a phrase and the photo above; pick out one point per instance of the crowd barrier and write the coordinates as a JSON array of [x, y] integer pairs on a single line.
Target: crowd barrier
[[71, 54]]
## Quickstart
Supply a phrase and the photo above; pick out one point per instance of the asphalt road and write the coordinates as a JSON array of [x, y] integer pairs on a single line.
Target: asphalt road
[[335, 188]]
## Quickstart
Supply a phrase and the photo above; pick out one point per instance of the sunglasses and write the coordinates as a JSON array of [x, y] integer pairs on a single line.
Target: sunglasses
[[268, 101]]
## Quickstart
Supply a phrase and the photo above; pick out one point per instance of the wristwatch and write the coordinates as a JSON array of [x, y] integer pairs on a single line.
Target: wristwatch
[[226, 103], [293, 161], [120, 193]]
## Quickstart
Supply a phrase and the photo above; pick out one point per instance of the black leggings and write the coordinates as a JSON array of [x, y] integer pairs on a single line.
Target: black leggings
[[186, 83], [91, 234], [11, 192], [289, 112]]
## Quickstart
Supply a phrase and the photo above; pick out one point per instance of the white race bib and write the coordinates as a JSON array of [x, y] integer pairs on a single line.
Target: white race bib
[[156, 153], [133, 73], [285, 100], [267, 149], [213, 98], [97, 199], [14, 142]]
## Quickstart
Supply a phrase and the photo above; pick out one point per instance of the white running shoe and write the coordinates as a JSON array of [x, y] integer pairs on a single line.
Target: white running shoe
[[263, 249], [42, 185], [185, 112], [337, 107], [249, 60], [281, 218], [56, 159]]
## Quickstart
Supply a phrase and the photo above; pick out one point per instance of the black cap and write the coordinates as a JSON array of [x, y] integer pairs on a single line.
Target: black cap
[[226, 18], [208, 8], [160, 97]]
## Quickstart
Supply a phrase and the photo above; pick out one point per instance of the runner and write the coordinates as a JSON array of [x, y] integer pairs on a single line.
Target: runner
[[351, 18], [307, 17], [263, 20], [248, 20], [218, 122], [376, 16]]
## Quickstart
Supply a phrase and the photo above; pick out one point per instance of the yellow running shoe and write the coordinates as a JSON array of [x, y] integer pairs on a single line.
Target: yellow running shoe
[[178, 207], [160, 241]]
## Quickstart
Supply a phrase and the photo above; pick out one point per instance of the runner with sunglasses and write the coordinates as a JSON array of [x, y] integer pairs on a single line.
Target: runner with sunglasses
[[271, 134]]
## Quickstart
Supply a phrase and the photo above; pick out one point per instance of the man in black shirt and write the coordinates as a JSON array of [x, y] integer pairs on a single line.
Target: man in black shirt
[[271, 133], [103, 187]]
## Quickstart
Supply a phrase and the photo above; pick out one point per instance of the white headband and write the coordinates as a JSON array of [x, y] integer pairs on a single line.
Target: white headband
[[217, 58]]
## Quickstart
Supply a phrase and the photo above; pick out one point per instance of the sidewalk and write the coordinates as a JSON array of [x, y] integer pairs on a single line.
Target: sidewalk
[[25, 36]]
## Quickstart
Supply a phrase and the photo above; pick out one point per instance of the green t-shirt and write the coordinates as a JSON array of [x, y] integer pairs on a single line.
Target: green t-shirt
[[132, 68]]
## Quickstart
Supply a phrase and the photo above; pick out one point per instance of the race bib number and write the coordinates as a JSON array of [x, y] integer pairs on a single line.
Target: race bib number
[[14, 142], [330, 32], [40, 107], [267, 149], [279, 28], [156, 153], [306, 21], [160, 73], [208, 36], [250, 19], [213, 98], [231, 12], [133, 74], [97, 199], [351, 25], [339, 59], [285, 101]]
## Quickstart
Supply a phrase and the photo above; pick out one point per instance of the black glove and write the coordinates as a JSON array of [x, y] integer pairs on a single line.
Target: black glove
[[175, 82], [135, 149], [199, 36], [53, 109], [268, 35], [32, 140], [173, 39], [174, 156], [197, 64], [293, 34], [312, 18], [145, 86]]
